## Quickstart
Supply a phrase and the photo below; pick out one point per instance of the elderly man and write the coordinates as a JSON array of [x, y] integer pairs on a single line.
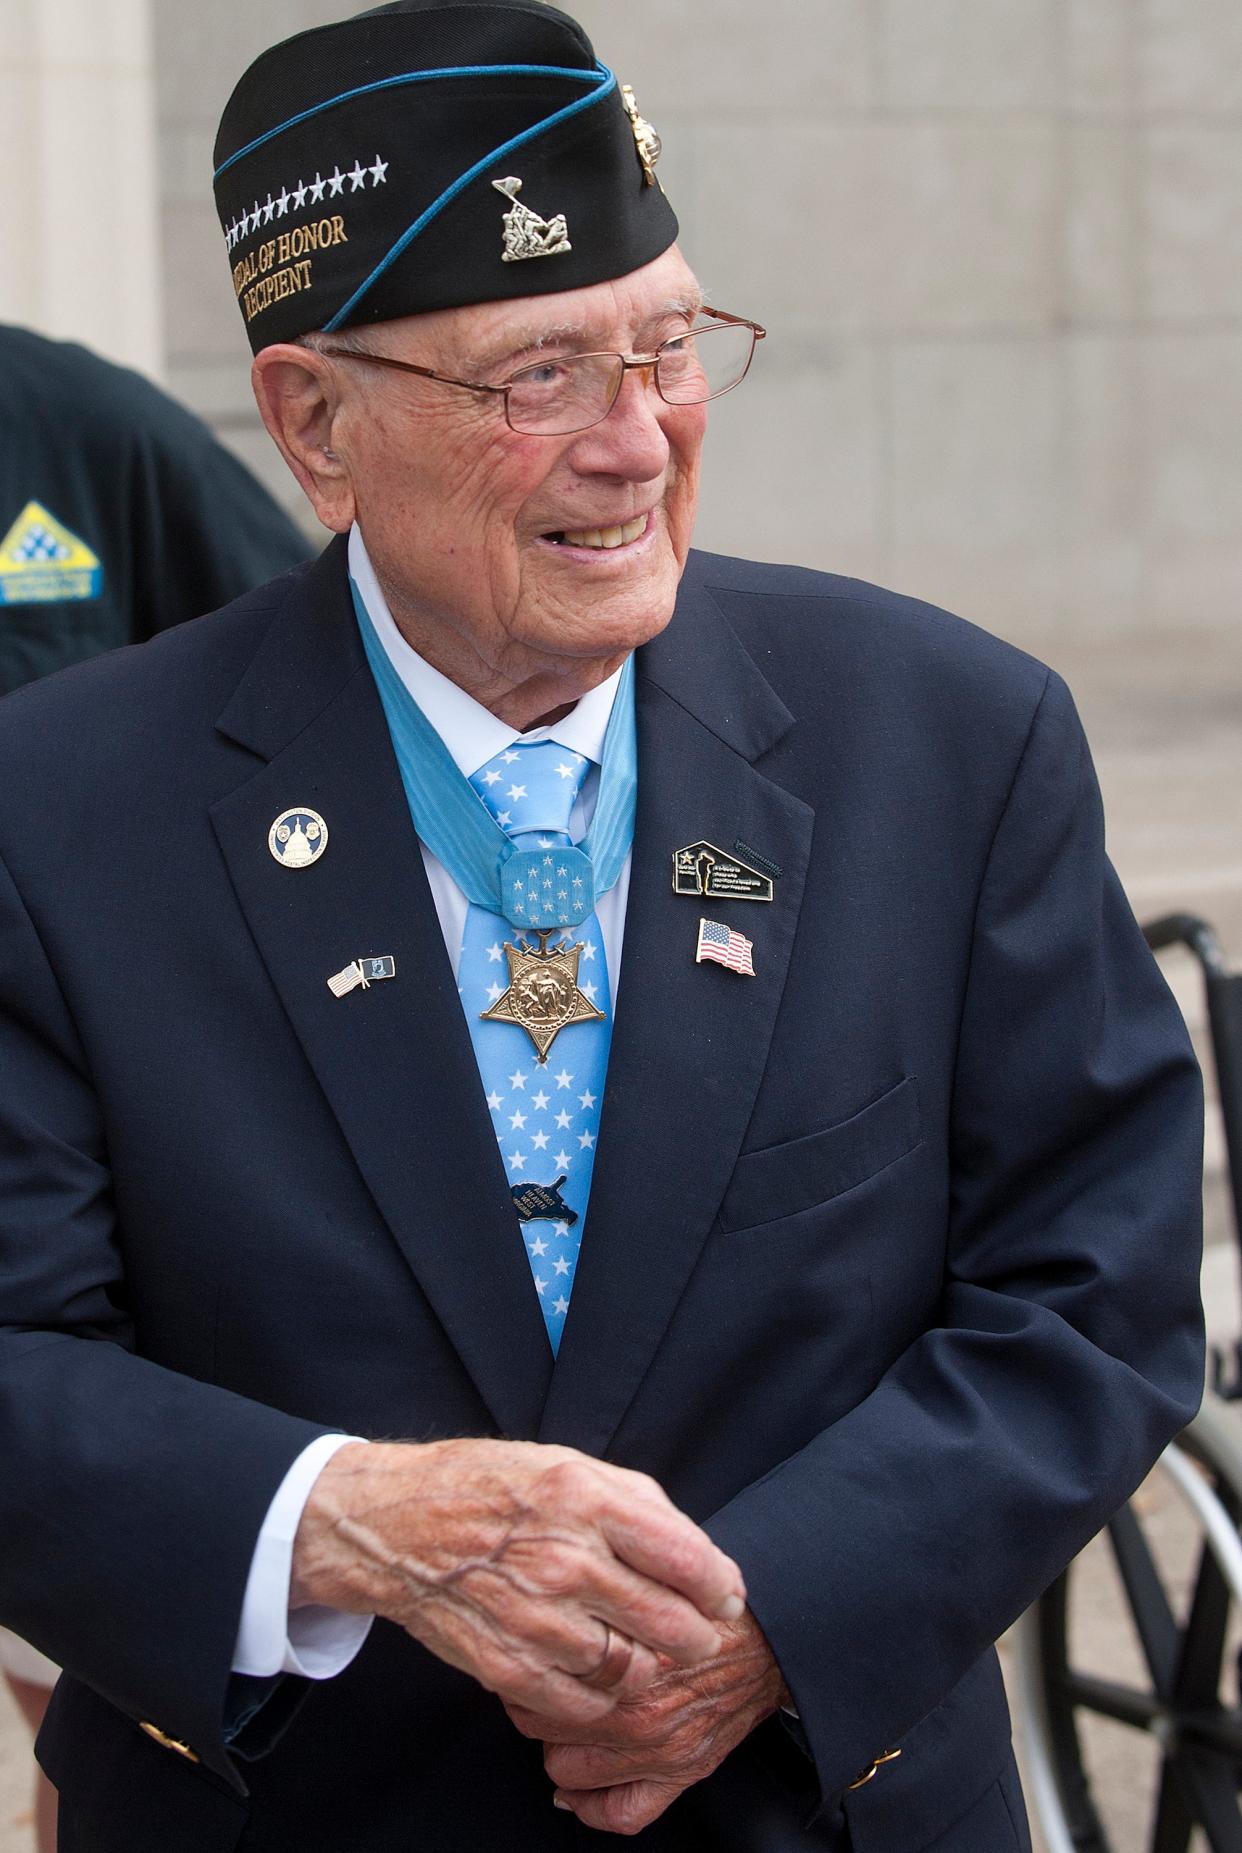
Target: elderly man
[[598, 1105]]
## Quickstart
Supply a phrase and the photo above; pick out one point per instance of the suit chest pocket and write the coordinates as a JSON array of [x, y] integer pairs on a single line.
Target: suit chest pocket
[[782, 1179]]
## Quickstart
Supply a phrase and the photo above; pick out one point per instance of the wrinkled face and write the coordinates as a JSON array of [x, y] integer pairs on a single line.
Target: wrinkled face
[[481, 536]]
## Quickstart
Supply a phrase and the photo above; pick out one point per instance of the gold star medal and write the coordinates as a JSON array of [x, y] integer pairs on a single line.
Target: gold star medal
[[543, 996]]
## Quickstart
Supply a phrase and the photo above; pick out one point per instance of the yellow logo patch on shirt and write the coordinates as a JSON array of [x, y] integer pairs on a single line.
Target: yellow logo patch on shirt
[[41, 562]]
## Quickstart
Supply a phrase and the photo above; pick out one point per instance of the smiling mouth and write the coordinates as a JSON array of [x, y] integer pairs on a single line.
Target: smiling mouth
[[601, 538]]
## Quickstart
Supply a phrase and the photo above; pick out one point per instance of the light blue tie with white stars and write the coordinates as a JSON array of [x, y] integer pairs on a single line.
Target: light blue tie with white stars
[[546, 1115]]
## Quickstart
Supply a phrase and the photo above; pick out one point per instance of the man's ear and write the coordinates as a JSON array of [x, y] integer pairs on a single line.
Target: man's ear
[[295, 393]]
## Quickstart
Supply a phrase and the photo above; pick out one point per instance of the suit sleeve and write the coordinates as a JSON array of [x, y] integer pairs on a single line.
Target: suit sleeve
[[887, 1556], [131, 1495]]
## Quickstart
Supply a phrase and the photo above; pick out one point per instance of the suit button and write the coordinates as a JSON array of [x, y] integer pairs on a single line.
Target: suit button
[[168, 1743]]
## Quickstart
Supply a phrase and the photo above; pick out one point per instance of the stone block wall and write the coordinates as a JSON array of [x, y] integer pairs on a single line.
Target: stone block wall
[[998, 247], [78, 256]]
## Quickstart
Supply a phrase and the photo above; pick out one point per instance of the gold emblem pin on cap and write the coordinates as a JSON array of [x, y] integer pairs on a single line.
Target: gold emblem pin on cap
[[649, 144]]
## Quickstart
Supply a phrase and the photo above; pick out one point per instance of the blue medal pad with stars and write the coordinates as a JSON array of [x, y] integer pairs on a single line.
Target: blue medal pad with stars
[[543, 888]]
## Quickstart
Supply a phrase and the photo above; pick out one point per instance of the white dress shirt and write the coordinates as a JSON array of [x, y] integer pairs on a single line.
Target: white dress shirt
[[320, 1642]]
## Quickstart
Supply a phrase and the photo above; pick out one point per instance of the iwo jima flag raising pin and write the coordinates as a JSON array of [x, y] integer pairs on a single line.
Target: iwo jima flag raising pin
[[705, 871]]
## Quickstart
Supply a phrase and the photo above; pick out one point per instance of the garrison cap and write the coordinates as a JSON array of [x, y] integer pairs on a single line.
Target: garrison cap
[[428, 154]]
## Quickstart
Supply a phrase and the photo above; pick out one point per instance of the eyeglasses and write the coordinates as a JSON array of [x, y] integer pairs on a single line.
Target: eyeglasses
[[572, 392]]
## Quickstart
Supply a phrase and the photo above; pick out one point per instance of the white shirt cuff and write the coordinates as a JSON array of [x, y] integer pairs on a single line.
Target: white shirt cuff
[[316, 1642]]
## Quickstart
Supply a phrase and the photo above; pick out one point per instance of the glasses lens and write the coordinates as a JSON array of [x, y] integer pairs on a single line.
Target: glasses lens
[[704, 363], [565, 394]]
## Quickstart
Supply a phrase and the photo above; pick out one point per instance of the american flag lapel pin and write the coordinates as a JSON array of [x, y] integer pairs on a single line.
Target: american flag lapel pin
[[361, 973], [722, 946]]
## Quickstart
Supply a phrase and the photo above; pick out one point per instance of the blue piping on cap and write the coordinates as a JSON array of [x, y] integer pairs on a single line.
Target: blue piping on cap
[[604, 89], [575, 75]]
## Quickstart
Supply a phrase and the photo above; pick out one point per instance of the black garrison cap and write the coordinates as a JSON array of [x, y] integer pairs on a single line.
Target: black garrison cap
[[428, 154]]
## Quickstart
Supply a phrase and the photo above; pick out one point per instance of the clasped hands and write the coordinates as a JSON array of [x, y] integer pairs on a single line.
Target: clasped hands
[[609, 1624]]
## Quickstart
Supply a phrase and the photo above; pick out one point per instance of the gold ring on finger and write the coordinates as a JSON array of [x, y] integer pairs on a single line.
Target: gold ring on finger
[[614, 1661]]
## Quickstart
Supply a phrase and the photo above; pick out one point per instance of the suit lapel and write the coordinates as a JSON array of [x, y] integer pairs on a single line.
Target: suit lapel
[[395, 1061], [690, 1042]]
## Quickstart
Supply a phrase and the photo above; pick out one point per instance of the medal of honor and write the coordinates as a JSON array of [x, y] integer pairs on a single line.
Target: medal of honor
[[543, 997]]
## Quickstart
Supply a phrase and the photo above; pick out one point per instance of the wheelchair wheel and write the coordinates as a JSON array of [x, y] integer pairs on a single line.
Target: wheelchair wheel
[[1152, 1715]]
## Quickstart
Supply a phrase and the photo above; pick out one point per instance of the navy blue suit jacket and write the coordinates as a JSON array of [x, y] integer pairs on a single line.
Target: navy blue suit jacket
[[891, 1269]]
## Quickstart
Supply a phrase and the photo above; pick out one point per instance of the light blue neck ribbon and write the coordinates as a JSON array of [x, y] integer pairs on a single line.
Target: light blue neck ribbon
[[460, 831]]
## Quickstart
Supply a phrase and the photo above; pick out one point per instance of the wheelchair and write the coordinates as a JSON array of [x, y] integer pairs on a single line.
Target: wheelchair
[[1163, 1715]]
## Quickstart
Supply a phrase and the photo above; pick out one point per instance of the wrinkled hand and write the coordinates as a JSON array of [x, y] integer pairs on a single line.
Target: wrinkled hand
[[620, 1773], [553, 1579]]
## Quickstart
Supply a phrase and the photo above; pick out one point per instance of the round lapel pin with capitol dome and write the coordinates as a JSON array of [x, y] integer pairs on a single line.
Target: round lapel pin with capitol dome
[[298, 837]]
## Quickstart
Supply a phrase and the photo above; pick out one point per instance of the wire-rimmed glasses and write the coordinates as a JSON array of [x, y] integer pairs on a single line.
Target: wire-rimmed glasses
[[564, 393]]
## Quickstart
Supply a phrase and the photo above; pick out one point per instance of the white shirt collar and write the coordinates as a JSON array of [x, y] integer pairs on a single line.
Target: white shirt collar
[[472, 734]]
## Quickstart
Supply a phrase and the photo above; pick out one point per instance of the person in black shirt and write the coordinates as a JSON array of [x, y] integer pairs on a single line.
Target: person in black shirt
[[120, 514]]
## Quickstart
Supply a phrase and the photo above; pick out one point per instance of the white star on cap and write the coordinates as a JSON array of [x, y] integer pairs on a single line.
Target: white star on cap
[[269, 208], [299, 194], [378, 172], [336, 180], [282, 204], [358, 174]]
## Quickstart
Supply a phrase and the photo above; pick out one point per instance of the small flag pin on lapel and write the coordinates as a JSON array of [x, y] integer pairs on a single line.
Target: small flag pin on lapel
[[722, 946], [361, 974]]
